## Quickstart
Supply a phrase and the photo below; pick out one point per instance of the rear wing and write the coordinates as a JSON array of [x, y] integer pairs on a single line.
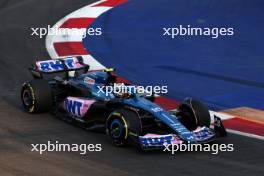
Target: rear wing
[[57, 66]]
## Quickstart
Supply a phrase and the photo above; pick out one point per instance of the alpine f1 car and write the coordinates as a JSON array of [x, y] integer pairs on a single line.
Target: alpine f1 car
[[129, 118]]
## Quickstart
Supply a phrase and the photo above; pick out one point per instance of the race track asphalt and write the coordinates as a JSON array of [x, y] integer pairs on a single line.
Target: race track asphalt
[[18, 49]]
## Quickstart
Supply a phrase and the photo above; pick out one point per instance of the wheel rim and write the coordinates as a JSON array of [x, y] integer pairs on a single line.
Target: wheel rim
[[27, 98], [116, 129]]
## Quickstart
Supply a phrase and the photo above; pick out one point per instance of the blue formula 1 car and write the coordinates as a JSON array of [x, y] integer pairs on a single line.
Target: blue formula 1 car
[[127, 118]]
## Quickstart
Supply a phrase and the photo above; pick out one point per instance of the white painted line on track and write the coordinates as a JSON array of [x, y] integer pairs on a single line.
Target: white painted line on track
[[223, 116], [90, 12]]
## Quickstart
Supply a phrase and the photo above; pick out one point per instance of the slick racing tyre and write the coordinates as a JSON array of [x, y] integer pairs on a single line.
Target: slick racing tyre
[[193, 113], [36, 96], [120, 124]]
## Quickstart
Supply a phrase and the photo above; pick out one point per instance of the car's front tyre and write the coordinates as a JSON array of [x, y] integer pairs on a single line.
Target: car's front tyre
[[193, 114], [120, 124]]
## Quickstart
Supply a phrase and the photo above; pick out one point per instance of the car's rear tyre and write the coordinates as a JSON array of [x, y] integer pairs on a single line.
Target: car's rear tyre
[[36, 96], [193, 113], [120, 124]]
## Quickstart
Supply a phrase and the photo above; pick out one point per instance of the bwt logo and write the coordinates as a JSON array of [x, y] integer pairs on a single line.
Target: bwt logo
[[74, 107], [55, 65]]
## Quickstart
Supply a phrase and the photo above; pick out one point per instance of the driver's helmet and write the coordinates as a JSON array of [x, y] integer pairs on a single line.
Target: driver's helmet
[[119, 90]]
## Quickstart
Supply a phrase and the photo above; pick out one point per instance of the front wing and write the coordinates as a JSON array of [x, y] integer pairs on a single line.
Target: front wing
[[201, 135]]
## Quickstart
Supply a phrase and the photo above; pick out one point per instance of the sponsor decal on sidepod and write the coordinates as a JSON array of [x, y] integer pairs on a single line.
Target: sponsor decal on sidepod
[[77, 106]]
